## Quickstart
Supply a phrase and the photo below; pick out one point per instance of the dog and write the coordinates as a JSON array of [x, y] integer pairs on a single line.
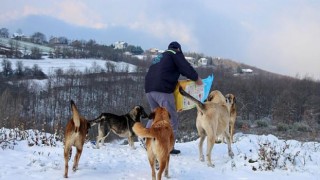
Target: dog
[[212, 120], [75, 135], [230, 98], [159, 140], [121, 125], [216, 97]]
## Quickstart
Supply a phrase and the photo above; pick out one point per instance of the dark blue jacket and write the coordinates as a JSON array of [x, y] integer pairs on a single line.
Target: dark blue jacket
[[165, 70]]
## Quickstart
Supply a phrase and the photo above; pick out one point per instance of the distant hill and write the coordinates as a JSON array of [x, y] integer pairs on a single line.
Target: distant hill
[[25, 46], [51, 27]]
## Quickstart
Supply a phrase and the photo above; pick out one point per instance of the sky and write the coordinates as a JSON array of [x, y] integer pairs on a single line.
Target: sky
[[278, 36], [115, 160]]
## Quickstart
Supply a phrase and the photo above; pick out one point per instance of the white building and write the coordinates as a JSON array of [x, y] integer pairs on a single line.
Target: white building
[[203, 62], [249, 71], [120, 45], [190, 60]]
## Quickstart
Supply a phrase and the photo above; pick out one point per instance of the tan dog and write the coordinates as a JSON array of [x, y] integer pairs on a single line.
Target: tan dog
[[216, 97], [233, 113], [159, 140], [75, 135], [212, 120]]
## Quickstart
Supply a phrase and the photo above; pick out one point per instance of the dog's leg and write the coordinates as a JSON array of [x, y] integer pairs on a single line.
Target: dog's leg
[[100, 134], [77, 158], [131, 142], [152, 159], [231, 131], [102, 140], [228, 136], [67, 149], [97, 142], [166, 171], [163, 165], [211, 138], [202, 135]]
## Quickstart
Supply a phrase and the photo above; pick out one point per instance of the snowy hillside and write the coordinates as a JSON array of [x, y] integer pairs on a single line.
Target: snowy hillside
[[25, 45], [256, 157], [48, 66]]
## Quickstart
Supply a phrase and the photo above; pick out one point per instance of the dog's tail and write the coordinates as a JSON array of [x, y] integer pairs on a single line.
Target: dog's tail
[[75, 116], [141, 131], [198, 103], [98, 119]]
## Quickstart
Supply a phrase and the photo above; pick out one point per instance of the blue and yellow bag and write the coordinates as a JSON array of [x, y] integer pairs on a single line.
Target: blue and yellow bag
[[199, 92]]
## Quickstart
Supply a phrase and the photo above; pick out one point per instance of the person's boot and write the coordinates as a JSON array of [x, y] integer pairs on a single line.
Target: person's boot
[[175, 151]]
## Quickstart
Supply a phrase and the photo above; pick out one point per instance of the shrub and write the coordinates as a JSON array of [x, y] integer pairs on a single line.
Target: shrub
[[282, 127], [262, 123], [300, 126], [242, 124]]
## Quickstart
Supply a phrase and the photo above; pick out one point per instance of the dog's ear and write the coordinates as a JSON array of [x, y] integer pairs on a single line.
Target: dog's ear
[[143, 113], [152, 115], [134, 111], [234, 99]]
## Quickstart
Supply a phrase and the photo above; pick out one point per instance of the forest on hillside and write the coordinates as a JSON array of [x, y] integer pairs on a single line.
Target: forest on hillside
[[263, 100]]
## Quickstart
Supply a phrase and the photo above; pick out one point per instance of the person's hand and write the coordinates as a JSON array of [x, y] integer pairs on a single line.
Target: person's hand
[[199, 82]]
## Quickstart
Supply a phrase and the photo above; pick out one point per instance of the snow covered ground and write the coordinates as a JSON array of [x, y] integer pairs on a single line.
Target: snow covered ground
[[256, 157], [293, 160], [48, 66]]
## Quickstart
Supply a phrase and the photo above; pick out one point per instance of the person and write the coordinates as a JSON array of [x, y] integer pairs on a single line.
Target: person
[[162, 78]]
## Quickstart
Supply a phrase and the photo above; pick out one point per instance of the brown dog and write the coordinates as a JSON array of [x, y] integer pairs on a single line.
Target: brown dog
[[233, 113], [212, 120], [159, 140], [75, 135]]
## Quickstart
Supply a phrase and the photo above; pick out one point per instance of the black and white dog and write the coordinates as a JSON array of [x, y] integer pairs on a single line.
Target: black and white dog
[[119, 124]]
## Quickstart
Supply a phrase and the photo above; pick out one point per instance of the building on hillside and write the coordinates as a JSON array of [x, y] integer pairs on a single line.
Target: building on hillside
[[202, 62], [58, 40], [153, 50], [20, 37], [191, 60], [120, 45], [17, 36], [247, 71]]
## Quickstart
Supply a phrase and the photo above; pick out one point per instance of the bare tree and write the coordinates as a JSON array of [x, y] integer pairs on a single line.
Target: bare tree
[[38, 38], [19, 69], [35, 53], [6, 68], [4, 32]]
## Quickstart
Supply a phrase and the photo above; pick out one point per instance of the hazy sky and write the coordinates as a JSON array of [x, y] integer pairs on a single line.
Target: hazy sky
[[277, 36]]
